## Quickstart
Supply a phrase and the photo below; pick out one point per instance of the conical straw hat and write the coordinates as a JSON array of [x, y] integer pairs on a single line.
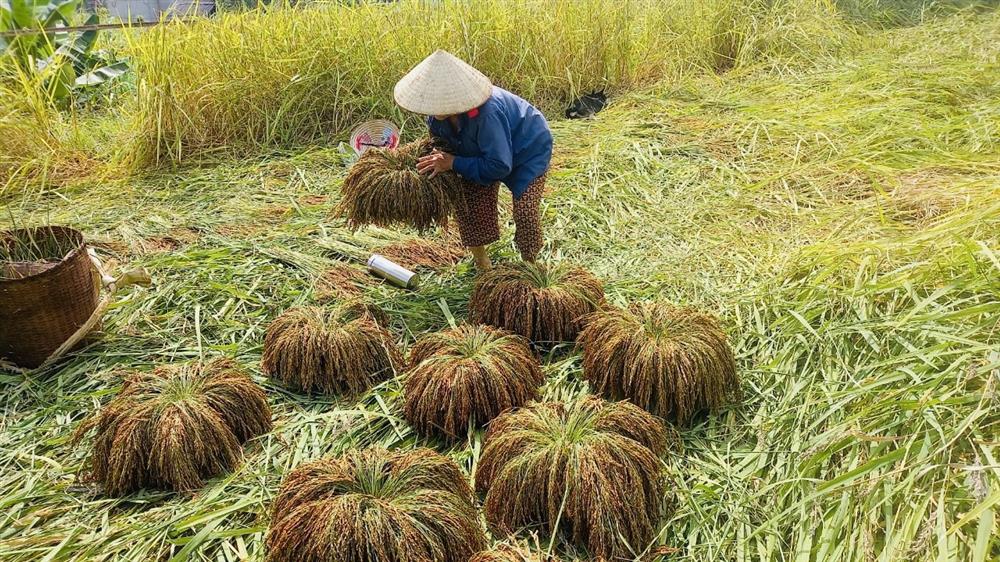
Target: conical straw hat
[[442, 84]]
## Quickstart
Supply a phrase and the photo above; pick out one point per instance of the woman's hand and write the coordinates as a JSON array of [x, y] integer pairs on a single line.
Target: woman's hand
[[435, 163]]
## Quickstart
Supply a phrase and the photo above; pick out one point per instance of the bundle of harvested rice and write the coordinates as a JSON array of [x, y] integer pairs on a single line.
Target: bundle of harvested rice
[[466, 376], [175, 426], [376, 505], [587, 469], [384, 188], [341, 349], [670, 361], [544, 303]]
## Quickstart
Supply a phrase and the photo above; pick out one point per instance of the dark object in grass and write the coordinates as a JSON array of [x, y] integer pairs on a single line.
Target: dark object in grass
[[544, 303], [383, 188], [587, 105], [466, 376], [48, 290], [341, 349], [588, 469], [670, 361], [175, 426], [375, 506]]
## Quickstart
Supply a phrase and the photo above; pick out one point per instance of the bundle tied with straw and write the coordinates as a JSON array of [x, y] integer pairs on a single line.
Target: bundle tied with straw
[[671, 361], [175, 426], [375, 505], [383, 188], [587, 470], [337, 349], [546, 303]]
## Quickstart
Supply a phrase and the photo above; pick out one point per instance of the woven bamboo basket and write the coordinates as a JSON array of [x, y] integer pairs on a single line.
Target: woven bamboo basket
[[45, 299]]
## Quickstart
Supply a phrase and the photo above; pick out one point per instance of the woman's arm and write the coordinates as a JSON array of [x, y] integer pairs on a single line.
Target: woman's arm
[[496, 149]]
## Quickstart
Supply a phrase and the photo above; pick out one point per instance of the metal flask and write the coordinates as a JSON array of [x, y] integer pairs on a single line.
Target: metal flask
[[393, 272]]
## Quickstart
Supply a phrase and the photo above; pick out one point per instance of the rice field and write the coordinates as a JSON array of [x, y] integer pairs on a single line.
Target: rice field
[[840, 215]]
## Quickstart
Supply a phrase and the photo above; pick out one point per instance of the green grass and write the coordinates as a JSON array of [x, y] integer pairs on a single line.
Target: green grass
[[842, 219]]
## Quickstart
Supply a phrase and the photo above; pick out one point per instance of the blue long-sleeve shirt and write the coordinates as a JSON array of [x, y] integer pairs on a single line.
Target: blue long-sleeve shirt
[[506, 139]]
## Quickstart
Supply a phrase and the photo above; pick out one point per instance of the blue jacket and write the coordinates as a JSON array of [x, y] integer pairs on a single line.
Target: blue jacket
[[506, 139]]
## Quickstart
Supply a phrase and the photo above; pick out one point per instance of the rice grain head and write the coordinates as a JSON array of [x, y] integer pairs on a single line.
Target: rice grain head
[[432, 254], [376, 505], [544, 303], [587, 469], [339, 282], [383, 188], [464, 377], [342, 349], [671, 361], [509, 553], [175, 426]]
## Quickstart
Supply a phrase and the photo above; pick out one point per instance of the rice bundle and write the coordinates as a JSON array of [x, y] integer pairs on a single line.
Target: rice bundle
[[375, 506], [587, 469], [670, 361], [175, 426], [383, 188], [544, 303], [465, 377], [336, 350]]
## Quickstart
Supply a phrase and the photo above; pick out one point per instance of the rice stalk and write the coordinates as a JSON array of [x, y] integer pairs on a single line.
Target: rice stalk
[[587, 469], [375, 505], [343, 349], [339, 282], [432, 254], [383, 188], [509, 553], [464, 377], [175, 426], [671, 361], [544, 303]]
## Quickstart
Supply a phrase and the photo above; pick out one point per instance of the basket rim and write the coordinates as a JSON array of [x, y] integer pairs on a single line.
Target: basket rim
[[65, 262]]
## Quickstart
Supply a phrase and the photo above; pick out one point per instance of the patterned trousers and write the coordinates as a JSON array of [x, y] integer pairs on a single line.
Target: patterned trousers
[[478, 224]]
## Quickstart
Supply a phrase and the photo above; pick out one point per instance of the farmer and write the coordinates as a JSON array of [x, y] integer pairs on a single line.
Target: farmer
[[493, 137]]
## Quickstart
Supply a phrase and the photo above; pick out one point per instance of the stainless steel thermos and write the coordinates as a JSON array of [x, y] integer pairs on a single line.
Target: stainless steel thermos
[[393, 272]]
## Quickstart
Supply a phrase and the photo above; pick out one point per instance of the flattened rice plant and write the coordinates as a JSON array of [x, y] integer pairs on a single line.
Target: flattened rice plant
[[508, 553], [383, 188], [466, 376], [376, 506], [588, 469], [671, 361], [342, 349], [544, 303], [175, 426]]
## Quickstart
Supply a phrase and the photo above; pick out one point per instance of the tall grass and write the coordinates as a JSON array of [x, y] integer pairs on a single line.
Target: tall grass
[[283, 77]]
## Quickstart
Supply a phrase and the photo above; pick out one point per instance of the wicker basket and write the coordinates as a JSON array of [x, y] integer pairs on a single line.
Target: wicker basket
[[43, 302]]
